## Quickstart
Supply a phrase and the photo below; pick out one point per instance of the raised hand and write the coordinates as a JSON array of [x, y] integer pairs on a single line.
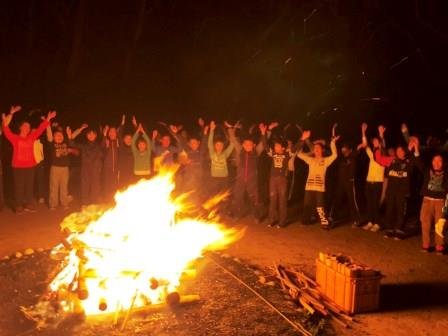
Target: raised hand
[[263, 128], [51, 115], [364, 128], [84, 126], [273, 125], [206, 130], [123, 119], [238, 124], [134, 121], [404, 128], [174, 129], [381, 130], [227, 125], [106, 130], [212, 125], [155, 134], [69, 132], [305, 135], [336, 138], [14, 109], [333, 130]]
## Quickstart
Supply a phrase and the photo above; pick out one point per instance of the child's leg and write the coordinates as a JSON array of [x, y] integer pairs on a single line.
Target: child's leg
[[53, 195], [273, 200], [63, 186], [282, 189], [29, 185]]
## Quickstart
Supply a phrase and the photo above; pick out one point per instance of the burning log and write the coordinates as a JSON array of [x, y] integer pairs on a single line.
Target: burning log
[[83, 292]]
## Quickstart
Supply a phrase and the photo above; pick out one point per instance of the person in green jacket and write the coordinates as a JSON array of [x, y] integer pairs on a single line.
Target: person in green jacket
[[141, 150], [218, 162]]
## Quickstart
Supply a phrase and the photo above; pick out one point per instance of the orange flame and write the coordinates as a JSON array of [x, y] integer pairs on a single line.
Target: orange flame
[[134, 253]]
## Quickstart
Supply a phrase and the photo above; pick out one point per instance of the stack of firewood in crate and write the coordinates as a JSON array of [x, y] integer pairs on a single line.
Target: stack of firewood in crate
[[342, 287]]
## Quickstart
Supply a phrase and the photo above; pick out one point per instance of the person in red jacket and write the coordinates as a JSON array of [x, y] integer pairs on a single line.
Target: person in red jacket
[[23, 161]]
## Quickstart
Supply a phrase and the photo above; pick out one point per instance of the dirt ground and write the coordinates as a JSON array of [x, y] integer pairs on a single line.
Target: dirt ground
[[414, 293]]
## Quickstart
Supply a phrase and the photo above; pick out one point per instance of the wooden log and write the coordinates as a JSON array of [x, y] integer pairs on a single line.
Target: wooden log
[[306, 306]]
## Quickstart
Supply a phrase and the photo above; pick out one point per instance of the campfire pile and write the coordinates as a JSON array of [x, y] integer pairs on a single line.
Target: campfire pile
[[305, 292]]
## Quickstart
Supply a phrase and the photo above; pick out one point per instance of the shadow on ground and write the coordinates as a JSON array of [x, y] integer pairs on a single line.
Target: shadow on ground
[[400, 297]]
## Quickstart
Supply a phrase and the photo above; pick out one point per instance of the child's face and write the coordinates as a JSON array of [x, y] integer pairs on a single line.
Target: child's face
[[248, 145], [219, 147], [401, 154], [25, 129], [127, 140], [166, 141], [194, 144], [141, 146], [376, 143], [318, 150], [278, 148], [437, 163], [112, 133], [91, 136], [58, 137]]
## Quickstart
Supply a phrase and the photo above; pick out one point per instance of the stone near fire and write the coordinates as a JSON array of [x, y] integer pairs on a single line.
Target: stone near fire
[[28, 251]]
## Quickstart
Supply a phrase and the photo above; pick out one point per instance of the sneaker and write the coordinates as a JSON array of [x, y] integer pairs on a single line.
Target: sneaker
[[440, 249], [399, 235], [356, 224], [278, 226], [375, 228], [29, 208], [389, 233], [425, 249], [19, 210], [368, 226], [272, 224], [52, 208], [41, 200]]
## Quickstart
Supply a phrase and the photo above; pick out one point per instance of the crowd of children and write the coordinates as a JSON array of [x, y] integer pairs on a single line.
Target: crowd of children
[[261, 167]]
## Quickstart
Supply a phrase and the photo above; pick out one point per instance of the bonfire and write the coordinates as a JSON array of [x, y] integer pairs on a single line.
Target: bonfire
[[133, 254]]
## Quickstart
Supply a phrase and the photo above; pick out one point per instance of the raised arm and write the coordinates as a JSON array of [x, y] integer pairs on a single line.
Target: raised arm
[[211, 148], [78, 131], [301, 154], [334, 152], [43, 125], [233, 140], [405, 132], [381, 131]]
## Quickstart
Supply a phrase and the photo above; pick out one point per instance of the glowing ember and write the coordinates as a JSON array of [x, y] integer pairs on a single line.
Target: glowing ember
[[135, 253]]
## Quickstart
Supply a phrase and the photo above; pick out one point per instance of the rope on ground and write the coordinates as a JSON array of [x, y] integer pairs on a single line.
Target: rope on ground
[[296, 326]]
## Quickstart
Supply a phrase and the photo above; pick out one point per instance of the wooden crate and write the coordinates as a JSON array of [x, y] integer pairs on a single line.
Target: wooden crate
[[352, 294]]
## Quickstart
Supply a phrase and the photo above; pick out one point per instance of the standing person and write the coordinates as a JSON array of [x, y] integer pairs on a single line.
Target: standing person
[[141, 150], [345, 189], [278, 184], [111, 146], [315, 183], [59, 169], [23, 161], [192, 162], [165, 152], [218, 162], [246, 182], [374, 185], [91, 164], [434, 191], [398, 171]]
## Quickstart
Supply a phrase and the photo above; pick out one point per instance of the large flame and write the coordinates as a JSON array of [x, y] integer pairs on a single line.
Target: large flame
[[134, 253]]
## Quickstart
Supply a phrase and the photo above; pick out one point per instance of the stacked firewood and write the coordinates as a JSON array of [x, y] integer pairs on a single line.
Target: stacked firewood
[[304, 291]]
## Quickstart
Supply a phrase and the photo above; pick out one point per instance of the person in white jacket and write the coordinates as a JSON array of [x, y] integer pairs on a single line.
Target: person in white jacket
[[315, 183]]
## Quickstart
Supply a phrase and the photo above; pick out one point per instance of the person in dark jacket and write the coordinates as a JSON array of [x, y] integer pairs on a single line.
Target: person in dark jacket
[[434, 192], [91, 164], [247, 154], [398, 172], [125, 162], [345, 186], [110, 145], [278, 183]]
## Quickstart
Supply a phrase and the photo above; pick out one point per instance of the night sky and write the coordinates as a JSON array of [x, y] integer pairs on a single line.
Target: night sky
[[250, 60]]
